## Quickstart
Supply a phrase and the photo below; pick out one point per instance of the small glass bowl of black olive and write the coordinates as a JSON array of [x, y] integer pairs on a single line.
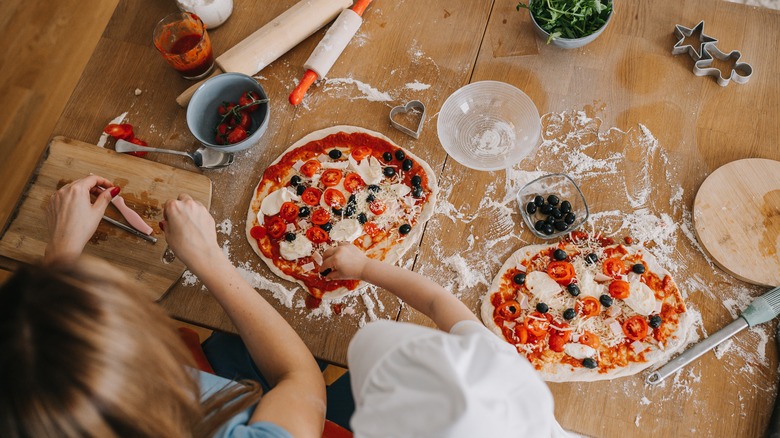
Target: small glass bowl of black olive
[[552, 206]]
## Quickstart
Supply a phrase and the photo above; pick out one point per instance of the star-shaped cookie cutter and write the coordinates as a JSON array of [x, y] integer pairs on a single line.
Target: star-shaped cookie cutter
[[682, 32], [740, 73]]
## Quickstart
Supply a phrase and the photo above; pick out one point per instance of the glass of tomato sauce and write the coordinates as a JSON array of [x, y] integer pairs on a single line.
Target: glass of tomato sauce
[[182, 39]]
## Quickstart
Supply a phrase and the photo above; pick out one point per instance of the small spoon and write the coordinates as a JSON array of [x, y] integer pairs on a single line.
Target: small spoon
[[205, 158]]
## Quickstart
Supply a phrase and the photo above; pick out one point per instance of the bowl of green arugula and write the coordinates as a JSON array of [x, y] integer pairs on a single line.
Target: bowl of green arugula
[[569, 23]]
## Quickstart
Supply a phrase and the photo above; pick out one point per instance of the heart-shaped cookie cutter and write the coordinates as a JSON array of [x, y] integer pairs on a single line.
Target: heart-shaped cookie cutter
[[740, 73], [403, 109]]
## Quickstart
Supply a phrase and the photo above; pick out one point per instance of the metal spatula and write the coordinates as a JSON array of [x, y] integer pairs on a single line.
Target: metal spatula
[[761, 310]]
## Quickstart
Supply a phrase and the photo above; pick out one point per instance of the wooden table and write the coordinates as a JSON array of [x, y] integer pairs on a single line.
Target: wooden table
[[627, 78]]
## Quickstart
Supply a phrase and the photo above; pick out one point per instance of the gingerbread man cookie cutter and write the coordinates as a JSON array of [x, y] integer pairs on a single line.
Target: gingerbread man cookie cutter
[[682, 32], [411, 106], [740, 73]]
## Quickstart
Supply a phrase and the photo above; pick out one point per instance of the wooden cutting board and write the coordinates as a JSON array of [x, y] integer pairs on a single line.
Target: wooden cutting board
[[146, 185], [736, 216]]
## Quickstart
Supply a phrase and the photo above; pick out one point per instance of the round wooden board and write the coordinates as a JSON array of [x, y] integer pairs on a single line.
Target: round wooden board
[[736, 216]]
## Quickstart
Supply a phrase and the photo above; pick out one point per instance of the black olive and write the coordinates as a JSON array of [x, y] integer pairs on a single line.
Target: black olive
[[335, 154], [553, 200], [387, 156], [326, 226], [548, 229], [559, 254], [370, 198], [352, 199], [304, 211], [589, 362], [300, 189], [407, 165], [389, 172], [565, 207], [542, 308], [539, 225], [295, 180], [400, 155], [289, 237], [538, 200], [349, 210], [591, 258], [638, 268], [417, 192], [605, 300], [549, 220], [560, 225], [362, 218], [546, 208], [405, 229], [569, 314], [530, 208], [556, 213], [655, 321], [336, 211], [373, 188], [573, 289], [416, 180], [519, 278], [569, 218]]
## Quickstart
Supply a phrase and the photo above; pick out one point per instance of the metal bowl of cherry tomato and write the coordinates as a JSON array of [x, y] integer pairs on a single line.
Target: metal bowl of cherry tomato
[[552, 205], [229, 112]]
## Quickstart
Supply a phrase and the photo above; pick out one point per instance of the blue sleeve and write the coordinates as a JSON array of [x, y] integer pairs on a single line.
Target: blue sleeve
[[237, 426]]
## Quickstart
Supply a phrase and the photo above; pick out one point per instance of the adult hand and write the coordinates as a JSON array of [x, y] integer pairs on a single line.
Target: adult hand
[[345, 262], [73, 217], [190, 231]]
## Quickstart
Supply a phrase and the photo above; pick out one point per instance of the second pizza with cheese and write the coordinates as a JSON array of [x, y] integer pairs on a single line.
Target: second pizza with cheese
[[586, 309], [341, 184]]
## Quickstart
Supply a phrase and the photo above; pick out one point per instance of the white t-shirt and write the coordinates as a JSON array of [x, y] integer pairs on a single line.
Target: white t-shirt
[[414, 381]]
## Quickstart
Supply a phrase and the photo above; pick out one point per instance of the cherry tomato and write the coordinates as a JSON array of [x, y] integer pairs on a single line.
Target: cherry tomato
[[361, 152], [236, 135], [377, 207], [257, 232], [538, 323], [139, 142], [560, 329], [334, 198], [619, 289], [123, 131], [225, 107], [353, 182], [247, 98], [588, 306], [635, 328], [331, 177], [289, 211], [320, 216], [589, 339], [614, 267], [522, 333], [556, 343], [371, 228], [509, 309], [241, 119], [562, 272], [311, 196], [317, 235], [311, 167], [275, 227]]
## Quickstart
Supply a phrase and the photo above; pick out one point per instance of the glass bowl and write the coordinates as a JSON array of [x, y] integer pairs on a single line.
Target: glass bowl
[[488, 125], [565, 189]]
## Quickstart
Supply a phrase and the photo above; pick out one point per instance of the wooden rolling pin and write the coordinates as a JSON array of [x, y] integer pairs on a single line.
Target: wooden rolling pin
[[328, 50], [273, 40]]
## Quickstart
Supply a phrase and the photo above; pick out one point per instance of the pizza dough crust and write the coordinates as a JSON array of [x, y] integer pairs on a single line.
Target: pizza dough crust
[[395, 252], [566, 373]]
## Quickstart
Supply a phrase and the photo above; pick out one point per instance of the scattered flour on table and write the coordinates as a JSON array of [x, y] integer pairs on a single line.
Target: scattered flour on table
[[369, 93], [225, 227], [417, 86]]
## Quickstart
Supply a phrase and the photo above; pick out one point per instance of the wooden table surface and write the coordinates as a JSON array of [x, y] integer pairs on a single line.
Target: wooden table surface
[[663, 130]]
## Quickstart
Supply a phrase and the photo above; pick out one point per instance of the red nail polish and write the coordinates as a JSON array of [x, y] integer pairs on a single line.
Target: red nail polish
[[162, 225], [114, 191]]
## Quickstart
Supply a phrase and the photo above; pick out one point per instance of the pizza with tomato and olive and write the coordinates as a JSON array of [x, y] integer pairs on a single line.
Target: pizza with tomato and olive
[[586, 309], [341, 184]]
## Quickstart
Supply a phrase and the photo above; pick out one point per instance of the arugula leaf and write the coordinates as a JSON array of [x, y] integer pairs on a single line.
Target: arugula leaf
[[569, 18]]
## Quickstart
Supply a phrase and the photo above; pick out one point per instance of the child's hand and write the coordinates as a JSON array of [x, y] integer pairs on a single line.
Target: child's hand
[[343, 262]]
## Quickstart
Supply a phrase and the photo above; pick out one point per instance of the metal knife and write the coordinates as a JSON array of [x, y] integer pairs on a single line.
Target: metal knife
[[130, 229]]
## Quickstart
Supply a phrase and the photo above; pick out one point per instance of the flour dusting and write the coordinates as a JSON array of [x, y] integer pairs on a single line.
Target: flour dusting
[[369, 93]]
